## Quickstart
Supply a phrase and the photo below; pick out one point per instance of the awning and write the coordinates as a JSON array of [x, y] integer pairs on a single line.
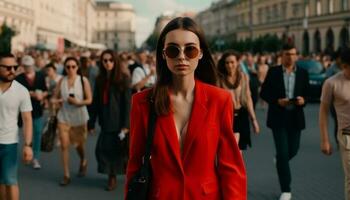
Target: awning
[[84, 44]]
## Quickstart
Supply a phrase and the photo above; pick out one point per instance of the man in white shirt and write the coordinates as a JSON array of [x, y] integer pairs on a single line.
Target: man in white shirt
[[143, 76], [335, 92], [14, 98]]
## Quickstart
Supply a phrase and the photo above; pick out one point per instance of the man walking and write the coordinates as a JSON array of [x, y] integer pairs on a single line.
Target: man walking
[[36, 85], [284, 90], [335, 92], [14, 98]]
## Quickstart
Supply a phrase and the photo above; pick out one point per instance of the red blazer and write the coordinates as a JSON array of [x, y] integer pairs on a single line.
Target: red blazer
[[211, 166]]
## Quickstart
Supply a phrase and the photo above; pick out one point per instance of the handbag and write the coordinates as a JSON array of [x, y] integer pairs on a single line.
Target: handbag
[[49, 135], [139, 184]]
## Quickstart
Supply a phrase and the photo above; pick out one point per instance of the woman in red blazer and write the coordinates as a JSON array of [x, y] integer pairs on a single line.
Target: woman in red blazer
[[194, 154]]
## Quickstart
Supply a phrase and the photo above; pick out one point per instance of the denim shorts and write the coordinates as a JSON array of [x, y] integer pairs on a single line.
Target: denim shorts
[[8, 164]]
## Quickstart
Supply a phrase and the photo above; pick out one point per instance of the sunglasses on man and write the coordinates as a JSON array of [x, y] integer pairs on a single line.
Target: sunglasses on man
[[173, 51], [10, 67]]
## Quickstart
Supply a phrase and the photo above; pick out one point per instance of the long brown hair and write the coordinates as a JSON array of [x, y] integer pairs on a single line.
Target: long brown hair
[[117, 77], [205, 72], [223, 73]]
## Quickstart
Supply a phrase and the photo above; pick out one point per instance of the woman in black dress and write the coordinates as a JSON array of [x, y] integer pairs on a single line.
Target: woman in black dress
[[111, 105], [237, 83]]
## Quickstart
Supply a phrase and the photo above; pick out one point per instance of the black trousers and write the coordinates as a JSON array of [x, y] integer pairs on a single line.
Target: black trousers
[[287, 143]]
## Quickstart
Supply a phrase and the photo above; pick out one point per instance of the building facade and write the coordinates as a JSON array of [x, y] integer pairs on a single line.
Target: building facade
[[20, 16], [69, 23], [313, 25], [115, 25]]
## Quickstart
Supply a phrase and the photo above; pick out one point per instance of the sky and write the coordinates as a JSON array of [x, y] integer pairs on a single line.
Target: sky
[[147, 12]]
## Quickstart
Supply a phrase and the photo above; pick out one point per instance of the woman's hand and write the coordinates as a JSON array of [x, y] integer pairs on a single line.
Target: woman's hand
[[73, 101], [256, 126]]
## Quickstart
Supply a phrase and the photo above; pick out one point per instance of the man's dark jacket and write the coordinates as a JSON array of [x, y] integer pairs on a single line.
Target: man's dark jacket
[[273, 89]]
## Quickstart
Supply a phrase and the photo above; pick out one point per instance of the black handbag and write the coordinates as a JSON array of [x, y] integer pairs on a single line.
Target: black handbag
[[139, 184], [49, 135]]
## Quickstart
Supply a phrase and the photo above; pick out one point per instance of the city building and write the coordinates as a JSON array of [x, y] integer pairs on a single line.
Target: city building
[[56, 25], [314, 25], [20, 16], [115, 25]]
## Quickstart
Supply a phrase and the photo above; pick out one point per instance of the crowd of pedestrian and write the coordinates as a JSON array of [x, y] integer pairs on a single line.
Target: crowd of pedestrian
[[204, 106]]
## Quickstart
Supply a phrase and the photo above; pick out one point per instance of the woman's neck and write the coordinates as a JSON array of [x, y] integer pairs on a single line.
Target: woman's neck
[[183, 86], [72, 77]]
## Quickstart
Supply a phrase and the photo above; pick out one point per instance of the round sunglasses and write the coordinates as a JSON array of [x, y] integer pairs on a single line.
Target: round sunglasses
[[71, 66], [174, 51]]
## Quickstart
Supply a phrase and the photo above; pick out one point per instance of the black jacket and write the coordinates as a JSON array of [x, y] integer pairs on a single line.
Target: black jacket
[[273, 89], [115, 115], [39, 84]]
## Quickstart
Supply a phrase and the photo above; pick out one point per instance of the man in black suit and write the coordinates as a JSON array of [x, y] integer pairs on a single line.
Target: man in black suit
[[284, 90]]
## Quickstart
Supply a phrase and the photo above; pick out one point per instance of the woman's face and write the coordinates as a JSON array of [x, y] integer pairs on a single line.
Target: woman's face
[[231, 64], [71, 67], [108, 62], [50, 71], [182, 52]]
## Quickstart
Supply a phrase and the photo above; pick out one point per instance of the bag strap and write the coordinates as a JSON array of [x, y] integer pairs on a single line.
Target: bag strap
[[150, 134], [82, 85]]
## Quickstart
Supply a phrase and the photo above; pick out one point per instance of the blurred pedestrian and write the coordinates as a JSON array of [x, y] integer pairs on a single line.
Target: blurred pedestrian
[[194, 154], [335, 92], [142, 75], [14, 99], [73, 92], [34, 81], [285, 89], [237, 83], [111, 105]]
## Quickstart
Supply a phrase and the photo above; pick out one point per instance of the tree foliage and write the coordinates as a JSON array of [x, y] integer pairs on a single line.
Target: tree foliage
[[6, 34]]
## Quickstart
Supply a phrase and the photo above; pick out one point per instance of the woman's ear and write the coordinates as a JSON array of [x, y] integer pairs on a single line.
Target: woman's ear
[[163, 54], [201, 54]]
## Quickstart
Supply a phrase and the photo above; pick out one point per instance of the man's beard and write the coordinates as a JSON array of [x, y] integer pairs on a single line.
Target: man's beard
[[7, 79]]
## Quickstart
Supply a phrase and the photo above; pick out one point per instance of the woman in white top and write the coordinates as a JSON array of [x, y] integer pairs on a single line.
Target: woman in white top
[[73, 92]]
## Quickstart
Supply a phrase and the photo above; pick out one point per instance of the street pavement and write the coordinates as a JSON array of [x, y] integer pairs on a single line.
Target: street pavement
[[314, 175]]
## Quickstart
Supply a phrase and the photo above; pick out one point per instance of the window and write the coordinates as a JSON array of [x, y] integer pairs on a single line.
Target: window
[[318, 7], [259, 16], [306, 11], [268, 14], [284, 10], [295, 9], [275, 12], [330, 6], [344, 5]]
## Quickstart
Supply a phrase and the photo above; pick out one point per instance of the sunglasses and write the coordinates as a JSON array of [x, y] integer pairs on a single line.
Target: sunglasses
[[174, 51], [9, 68], [108, 60], [71, 66]]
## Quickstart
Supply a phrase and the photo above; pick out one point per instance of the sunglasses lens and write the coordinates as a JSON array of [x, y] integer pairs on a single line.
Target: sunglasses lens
[[172, 52], [107, 60], [70, 66], [191, 52]]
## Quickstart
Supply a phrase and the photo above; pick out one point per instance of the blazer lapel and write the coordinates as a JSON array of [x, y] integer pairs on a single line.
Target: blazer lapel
[[197, 119], [281, 78], [169, 132]]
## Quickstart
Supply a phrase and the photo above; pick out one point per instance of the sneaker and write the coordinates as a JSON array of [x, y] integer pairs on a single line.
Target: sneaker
[[286, 196], [36, 164]]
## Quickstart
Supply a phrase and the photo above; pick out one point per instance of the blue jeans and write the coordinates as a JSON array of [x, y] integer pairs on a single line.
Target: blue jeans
[[37, 131], [8, 164]]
